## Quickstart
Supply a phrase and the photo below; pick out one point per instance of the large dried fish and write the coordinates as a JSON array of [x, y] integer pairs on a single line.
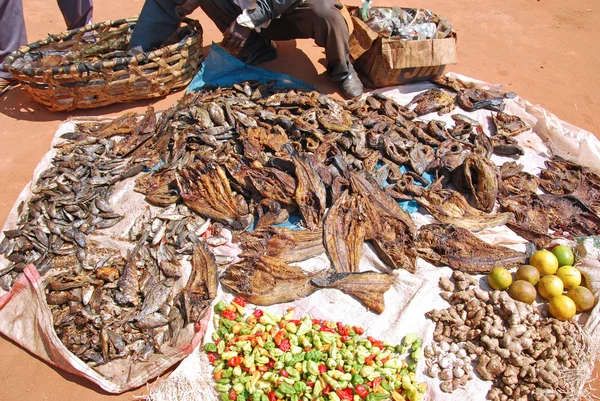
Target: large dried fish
[[344, 230], [201, 287], [450, 207], [459, 249], [310, 193], [206, 190], [509, 125], [284, 244], [268, 281], [479, 176]]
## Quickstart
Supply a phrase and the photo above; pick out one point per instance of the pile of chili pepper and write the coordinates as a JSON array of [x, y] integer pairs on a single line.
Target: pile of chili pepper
[[263, 357]]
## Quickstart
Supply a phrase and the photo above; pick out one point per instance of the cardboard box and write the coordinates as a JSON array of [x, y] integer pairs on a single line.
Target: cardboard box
[[382, 61]]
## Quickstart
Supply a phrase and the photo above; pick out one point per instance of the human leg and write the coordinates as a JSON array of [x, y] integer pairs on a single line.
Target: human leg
[[322, 21], [77, 13], [12, 32], [157, 21]]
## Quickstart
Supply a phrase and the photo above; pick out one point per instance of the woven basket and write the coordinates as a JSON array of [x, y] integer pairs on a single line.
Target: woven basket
[[88, 85]]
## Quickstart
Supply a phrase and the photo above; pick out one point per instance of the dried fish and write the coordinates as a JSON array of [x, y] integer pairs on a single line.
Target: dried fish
[[458, 248]]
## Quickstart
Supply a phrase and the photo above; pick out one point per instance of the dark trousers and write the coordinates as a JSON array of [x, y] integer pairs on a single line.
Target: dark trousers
[[12, 30], [76, 13], [316, 19]]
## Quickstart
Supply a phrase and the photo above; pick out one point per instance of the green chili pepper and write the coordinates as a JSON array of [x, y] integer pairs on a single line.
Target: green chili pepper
[[357, 379], [376, 396], [300, 387], [317, 389], [220, 306], [221, 388], [409, 339], [305, 326], [286, 388], [210, 347]]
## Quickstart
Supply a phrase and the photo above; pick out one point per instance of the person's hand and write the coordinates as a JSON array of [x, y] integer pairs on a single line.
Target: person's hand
[[235, 37]]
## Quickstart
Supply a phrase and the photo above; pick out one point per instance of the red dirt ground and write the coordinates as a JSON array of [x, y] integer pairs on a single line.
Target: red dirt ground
[[547, 51]]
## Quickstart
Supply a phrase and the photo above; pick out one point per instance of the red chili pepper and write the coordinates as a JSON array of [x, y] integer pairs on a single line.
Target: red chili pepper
[[310, 384], [384, 360], [258, 313], [345, 394], [344, 331], [285, 345], [218, 341], [327, 329], [296, 322], [229, 314], [240, 301], [339, 325], [375, 342], [219, 375], [271, 363], [272, 396], [344, 338], [245, 369], [212, 357], [284, 373], [322, 368], [327, 389], [232, 395], [262, 368], [370, 384], [361, 391], [358, 330], [235, 361], [376, 382], [369, 359], [317, 321]]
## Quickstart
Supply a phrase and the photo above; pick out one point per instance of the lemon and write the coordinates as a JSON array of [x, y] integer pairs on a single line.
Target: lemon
[[550, 286], [583, 298], [499, 278], [523, 291], [544, 261], [562, 307], [528, 273], [564, 255], [570, 276]]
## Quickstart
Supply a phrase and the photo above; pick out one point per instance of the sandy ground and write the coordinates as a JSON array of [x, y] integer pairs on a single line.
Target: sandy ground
[[547, 51]]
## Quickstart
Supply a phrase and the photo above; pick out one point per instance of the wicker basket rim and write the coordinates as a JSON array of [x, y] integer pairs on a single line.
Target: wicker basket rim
[[87, 66]]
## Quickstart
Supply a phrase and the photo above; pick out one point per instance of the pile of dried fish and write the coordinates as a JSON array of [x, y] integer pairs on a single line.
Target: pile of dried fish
[[250, 157]]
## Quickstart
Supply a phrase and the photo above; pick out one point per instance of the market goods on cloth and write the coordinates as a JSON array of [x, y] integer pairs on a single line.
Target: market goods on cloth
[[409, 298], [57, 73], [412, 295]]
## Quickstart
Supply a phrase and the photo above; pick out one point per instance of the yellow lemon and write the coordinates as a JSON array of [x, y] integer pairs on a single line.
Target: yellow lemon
[[570, 276], [562, 307], [499, 278], [583, 298], [544, 261], [550, 286]]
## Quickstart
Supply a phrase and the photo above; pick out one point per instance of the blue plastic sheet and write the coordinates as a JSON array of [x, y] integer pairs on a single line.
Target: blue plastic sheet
[[222, 69]]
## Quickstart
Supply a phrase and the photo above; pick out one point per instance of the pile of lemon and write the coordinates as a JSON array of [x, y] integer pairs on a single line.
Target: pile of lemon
[[553, 273]]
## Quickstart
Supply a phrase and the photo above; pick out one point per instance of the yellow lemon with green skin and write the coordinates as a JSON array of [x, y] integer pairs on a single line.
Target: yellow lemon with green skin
[[499, 278], [583, 298], [562, 307], [528, 273], [570, 276], [564, 255], [544, 261], [550, 286]]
